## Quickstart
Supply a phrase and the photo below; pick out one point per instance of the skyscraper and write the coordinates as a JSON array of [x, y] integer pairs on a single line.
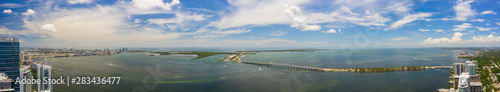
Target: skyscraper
[[464, 83], [458, 68], [9, 58], [43, 71], [25, 73], [471, 68]]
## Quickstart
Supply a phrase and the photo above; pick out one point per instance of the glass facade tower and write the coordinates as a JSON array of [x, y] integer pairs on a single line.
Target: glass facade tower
[[9, 58]]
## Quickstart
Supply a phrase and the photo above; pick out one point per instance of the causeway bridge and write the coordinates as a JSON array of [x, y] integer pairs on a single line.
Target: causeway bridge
[[236, 58], [284, 66], [296, 67]]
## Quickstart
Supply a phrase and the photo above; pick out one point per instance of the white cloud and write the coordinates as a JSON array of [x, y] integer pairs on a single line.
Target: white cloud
[[498, 23], [79, 1], [488, 12], [463, 10], [423, 30], [181, 20], [486, 39], [457, 38], [330, 31], [462, 27], [277, 33], [102, 28], [227, 32], [274, 40], [263, 13], [408, 19], [29, 12], [148, 4], [478, 20], [345, 15], [137, 20], [485, 29], [299, 21], [255, 13], [401, 7], [11, 5], [209, 34], [400, 38], [48, 27], [456, 41], [7, 11]]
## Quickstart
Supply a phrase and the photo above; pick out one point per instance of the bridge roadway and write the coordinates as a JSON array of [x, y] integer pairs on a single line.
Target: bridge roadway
[[295, 67]]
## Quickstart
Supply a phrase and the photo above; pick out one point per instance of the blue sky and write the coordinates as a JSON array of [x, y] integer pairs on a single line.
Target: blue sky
[[252, 23]]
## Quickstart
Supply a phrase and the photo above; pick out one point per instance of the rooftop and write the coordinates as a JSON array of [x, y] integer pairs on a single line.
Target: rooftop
[[9, 39]]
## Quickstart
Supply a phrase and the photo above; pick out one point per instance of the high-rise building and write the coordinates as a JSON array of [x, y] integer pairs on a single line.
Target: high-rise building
[[25, 73], [458, 68], [9, 58], [476, 87], [463, 83], [471, 68], [21, 56], [43, 71]]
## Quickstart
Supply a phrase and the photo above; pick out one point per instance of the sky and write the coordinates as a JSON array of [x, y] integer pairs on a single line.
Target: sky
[[252, 23]]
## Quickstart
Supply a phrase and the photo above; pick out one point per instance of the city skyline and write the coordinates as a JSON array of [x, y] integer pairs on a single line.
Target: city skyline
[[260, 23]]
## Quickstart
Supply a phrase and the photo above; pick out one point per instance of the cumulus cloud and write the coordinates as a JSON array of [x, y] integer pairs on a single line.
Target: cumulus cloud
[[462, 27], [457, 38], [457, 41], [486, 39], [255, 13], [102, 28], [408, 19], [485, 29], [7, 11], [400, 38], [29, 12], [79, 1], [299, 21], [463, 10], [425, 30], [488, 12], [330, 31], [148, 4], [478, 20], [263, 13], [48, 27]]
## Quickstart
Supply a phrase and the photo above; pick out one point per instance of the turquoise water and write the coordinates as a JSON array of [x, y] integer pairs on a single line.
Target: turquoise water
[[178, 73]]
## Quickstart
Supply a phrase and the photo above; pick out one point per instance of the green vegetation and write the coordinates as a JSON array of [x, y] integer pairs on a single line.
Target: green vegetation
[[487, 59], [200, 54], [390, 69], [134, 51], [291, 50]]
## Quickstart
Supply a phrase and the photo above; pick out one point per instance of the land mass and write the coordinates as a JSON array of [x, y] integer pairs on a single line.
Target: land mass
[[290, 50], [201, 54]]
